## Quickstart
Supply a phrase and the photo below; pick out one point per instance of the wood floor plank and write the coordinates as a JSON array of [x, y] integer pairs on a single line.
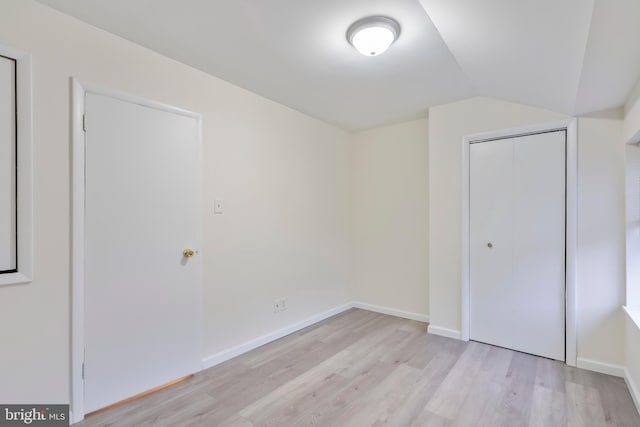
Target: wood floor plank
[[298, 386], [497, 363], [430, 419], [324, 379], [551, 374], [426, 385], [281, 347], [584, 408], [518, 390], [381, 400], [615, 398], [482, 406], [548, 408], [327, 410], [454, 389], [367, 369], [426, 346]]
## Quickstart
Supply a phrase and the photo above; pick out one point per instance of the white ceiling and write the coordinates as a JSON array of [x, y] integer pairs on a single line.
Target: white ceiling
[[570, 56]]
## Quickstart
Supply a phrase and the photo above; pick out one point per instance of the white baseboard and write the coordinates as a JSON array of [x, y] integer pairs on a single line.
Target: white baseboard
[[225, 355], [392, 312], [633, 388], [601, 367], [444, 332]]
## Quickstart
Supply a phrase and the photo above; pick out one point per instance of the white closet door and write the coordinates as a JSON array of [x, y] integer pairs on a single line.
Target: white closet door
[[143, 297], [517, 243]]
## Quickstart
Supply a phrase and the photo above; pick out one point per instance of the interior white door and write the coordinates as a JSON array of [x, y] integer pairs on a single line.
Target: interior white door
[[142, 209], [517, 243]]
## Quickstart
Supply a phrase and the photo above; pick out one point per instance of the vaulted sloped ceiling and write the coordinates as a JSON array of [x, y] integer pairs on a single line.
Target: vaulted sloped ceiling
[[612, 58], [569, 56], [518, 50]]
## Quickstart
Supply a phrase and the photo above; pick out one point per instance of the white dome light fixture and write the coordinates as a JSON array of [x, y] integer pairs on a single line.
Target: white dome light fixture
[[372, 35]]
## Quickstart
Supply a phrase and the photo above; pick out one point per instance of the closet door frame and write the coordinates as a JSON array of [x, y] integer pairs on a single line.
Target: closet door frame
[[570, 126]]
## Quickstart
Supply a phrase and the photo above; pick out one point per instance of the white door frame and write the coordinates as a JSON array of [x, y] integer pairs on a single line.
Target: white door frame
[[571, 247], [79, 90]]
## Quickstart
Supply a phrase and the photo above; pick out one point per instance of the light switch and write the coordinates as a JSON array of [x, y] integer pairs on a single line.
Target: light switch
[[218, 206]]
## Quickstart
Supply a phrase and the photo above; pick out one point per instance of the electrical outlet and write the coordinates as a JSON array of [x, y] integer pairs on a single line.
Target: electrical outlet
[[218, 206], [279, 305]]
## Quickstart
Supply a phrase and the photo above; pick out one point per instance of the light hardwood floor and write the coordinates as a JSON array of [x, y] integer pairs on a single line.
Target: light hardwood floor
[[366, 369]]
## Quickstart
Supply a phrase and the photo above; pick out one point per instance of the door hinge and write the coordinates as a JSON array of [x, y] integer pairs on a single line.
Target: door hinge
[[82, 370], [84, 122]]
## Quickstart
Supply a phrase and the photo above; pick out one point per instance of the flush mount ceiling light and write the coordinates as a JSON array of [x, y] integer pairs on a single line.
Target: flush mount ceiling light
[[372, 35]]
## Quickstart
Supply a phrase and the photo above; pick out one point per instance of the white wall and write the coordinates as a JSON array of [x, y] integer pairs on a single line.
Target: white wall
[[284, 178], [390, 216], [600, 223], [286, 182], [448, 124], [632, 116], [633, 358], [601, 231], [632, 168]]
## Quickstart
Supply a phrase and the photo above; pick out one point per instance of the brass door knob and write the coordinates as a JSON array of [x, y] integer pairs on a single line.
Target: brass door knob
[[188, 253]]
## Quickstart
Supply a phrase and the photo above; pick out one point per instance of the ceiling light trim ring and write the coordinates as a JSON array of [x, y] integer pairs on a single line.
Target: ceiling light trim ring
[[373, 22]]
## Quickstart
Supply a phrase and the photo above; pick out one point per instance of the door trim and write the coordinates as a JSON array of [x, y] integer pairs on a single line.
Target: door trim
[[78, 92], [571, 246]]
